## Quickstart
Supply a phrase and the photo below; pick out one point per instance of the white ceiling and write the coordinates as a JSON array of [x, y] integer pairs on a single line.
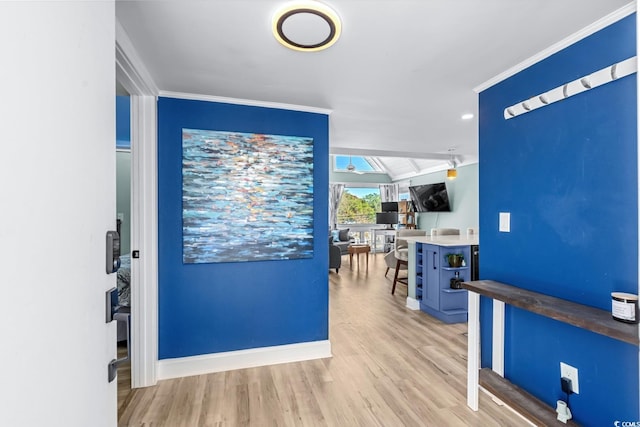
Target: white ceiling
[[397, 81]]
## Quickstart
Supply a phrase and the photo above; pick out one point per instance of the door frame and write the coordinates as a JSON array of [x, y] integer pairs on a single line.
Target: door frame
[[134, 77]]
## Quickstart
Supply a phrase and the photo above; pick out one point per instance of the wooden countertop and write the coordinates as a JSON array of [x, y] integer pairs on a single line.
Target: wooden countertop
[[582, 316]]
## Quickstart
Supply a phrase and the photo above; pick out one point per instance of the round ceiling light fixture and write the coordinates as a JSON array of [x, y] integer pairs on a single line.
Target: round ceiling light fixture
[[306, 26]]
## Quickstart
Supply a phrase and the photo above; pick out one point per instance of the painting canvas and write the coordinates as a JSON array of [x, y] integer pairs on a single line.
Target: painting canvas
[[246, 197]]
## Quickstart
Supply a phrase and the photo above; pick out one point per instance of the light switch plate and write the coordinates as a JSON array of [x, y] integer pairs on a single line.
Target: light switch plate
[[505, 222]]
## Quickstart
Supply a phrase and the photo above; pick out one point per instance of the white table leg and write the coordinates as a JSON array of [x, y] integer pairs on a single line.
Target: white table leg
[[473, 350]]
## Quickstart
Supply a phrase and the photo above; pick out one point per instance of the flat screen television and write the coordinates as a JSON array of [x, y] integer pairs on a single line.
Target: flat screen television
[[388, 218], [389, 206], [430, 197]]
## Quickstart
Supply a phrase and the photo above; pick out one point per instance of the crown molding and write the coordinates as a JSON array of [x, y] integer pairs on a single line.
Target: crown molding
[[249, 102], [562, 44]]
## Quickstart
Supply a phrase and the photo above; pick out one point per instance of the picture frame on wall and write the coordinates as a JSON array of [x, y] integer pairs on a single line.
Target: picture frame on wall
[[246, 196]]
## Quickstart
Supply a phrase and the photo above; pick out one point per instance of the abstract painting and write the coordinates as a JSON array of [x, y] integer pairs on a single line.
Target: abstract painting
[[246, 197]]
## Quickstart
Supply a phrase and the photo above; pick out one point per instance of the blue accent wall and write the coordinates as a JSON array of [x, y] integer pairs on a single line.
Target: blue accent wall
[[567, 172], [211, 308], [123, 122]]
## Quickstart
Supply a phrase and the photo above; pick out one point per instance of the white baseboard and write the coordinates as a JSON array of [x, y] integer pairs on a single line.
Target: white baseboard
[[240, 359], [413, 304]]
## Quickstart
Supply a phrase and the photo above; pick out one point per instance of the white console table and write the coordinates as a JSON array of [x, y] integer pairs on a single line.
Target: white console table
[[375, 232]]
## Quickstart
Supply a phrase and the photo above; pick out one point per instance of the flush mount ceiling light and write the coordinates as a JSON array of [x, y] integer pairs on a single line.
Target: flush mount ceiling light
[[306, 26]]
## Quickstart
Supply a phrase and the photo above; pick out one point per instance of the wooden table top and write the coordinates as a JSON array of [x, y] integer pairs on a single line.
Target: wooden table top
[[585, 317], [359, 248]]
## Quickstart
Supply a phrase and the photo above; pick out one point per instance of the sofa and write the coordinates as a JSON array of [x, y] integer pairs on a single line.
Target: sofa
[[341, 239], [335, 257]]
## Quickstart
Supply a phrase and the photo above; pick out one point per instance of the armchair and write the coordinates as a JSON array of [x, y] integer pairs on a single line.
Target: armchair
[[341, 239]]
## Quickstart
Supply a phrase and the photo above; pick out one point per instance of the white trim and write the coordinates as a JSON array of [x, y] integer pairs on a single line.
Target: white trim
[[249, 102], [364, 152], [413, 304], [130, 70], [144, 237], [562, 44], [134, 77], [241, 359]]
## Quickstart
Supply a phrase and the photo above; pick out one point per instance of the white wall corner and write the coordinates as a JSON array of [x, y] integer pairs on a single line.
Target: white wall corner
[[241, 359], [130, 69]]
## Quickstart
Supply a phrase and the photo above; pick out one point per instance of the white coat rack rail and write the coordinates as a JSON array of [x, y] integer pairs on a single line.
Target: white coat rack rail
[[583, 84]]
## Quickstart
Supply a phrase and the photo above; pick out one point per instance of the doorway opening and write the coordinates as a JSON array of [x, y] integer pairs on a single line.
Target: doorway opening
[[123, 214]]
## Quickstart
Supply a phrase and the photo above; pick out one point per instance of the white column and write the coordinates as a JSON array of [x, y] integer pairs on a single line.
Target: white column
[[412, 302], [473, 350], [144, 238]]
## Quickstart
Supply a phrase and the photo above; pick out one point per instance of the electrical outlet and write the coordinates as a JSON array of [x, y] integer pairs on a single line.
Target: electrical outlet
[[568, 371]]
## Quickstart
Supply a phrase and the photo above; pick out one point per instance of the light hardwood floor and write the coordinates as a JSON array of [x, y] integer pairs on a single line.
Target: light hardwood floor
[[390, 367], [124, 379]]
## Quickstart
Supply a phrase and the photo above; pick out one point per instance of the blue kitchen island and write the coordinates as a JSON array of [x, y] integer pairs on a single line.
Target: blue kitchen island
[[430, 275]]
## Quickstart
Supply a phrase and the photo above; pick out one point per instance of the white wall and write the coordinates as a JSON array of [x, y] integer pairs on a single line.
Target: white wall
[[463, 196], [57, 169]]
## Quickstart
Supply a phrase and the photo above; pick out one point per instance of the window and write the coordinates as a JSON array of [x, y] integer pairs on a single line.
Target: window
[[359, 205], [359, 164]]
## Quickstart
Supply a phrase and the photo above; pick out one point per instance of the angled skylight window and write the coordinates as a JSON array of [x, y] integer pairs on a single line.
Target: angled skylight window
[[354, 164]]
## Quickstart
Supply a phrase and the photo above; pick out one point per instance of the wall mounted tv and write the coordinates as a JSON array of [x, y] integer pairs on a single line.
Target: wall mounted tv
[[430, 197]]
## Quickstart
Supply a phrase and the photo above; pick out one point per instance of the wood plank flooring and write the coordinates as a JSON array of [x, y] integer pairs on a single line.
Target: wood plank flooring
[[390, 367], [123, 378]]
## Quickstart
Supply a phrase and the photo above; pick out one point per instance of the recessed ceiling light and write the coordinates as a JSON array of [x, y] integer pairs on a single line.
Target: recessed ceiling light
[[306, 26], [467, 116]]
